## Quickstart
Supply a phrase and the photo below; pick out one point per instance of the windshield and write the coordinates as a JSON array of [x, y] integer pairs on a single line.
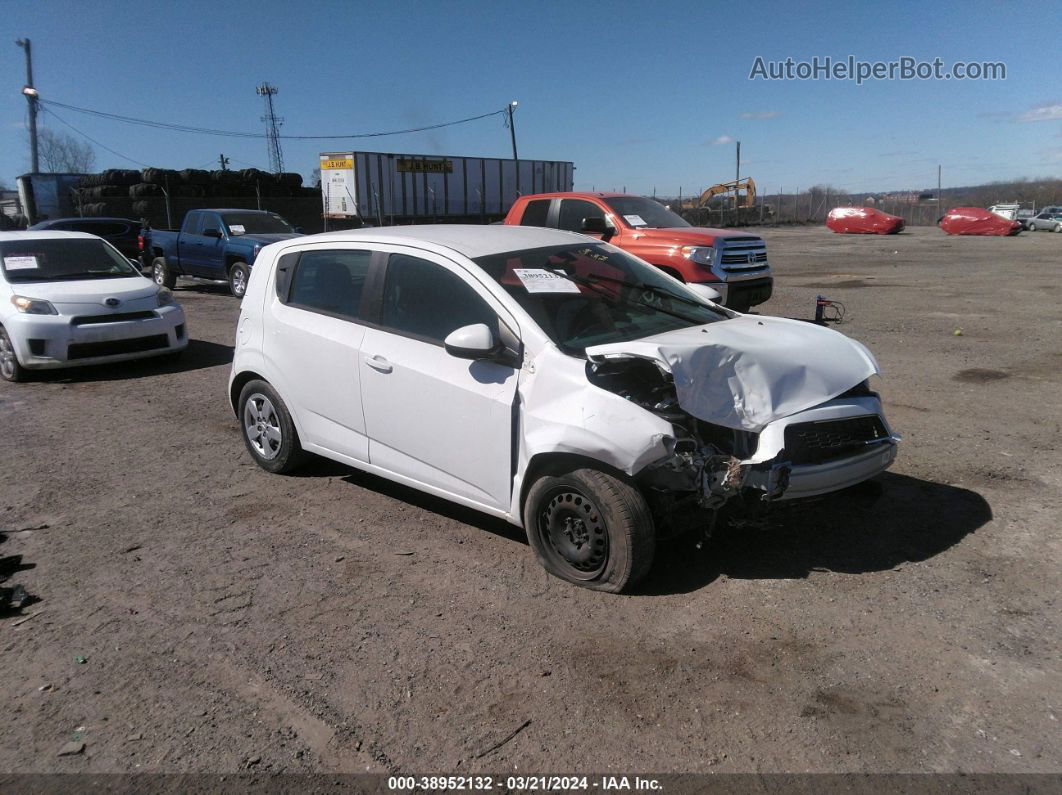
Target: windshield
[[641, 213], [584, 295], [62, 259], [256, 224]]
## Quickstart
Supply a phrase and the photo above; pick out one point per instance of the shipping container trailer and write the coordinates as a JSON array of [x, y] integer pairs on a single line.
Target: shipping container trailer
[[390, 188]]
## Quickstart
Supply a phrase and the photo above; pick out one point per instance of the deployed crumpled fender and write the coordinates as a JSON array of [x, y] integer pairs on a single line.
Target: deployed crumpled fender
[[863, 221], [562, 412], [749, 371], [975, 221]]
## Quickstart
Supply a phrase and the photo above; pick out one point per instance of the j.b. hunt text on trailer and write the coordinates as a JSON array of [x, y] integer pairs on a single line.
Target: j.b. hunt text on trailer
[[382, 187]]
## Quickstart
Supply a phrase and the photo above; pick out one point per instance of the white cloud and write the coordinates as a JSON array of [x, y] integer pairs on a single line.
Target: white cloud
[[1048, 112], [761, 115], [720, 141]]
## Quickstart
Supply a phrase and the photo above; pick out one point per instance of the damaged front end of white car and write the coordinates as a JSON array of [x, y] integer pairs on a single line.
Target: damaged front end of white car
[[762, 410]]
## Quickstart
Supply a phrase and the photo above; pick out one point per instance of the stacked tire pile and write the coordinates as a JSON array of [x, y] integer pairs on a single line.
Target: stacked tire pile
[[141, 194]]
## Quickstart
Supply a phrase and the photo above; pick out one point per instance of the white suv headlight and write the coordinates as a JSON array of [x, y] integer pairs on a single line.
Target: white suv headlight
[[698, 254], [33, 306]]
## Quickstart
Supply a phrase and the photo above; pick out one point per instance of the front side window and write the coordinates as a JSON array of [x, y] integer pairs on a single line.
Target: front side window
[[66, 259], [573, 211], [331, 282], [591, 294], [426, 301], [256, 224]]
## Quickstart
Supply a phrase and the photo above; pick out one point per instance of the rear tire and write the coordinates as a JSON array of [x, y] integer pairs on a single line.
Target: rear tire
[[268, 430], [590, 528], [10, 369], [161, 273], [239, 273]]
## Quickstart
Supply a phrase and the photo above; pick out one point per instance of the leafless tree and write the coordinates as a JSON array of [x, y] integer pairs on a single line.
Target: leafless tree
[[61, 153]]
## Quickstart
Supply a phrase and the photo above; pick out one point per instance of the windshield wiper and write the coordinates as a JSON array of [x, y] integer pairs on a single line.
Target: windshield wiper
[[595, 282]]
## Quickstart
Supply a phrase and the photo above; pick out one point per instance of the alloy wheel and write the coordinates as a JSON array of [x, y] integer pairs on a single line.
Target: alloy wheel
[[262, 426]]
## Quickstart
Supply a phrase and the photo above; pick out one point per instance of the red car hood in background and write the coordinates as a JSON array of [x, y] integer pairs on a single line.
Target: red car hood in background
[[863, 221], [975, 221]]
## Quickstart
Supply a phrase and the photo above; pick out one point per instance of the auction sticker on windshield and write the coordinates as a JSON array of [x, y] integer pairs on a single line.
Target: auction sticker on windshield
[[635, 220], [537, 280], [237, 229], [26, 263]]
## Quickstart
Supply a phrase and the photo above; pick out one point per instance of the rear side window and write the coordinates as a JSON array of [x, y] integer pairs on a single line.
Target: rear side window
[[426, 301], [573, 211], [330, 282], [535, 213]]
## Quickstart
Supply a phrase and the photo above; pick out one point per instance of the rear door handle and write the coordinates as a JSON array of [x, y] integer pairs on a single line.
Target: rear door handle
[[379, 363]]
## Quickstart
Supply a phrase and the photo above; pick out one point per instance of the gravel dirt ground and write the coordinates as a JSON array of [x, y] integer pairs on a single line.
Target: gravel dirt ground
[[199, 614]]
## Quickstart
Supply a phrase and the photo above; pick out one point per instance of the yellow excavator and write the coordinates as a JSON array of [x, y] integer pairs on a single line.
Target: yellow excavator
[[728, 189]]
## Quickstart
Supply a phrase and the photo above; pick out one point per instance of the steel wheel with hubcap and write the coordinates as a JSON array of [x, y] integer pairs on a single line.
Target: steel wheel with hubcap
[[268, 430], [591, 528], [10, 369], [238, 275]]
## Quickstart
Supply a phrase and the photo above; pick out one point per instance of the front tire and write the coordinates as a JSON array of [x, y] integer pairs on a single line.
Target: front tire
[[10, 369], [239, 273], [1058, 227], [590, 528], [161, 273], [268, 430]]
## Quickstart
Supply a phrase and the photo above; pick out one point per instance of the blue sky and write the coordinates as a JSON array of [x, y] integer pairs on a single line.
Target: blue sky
[[639, 95]]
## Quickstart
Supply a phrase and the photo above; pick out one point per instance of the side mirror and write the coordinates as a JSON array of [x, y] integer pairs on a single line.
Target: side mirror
[[471, 342], [212, 233], [595, 225]]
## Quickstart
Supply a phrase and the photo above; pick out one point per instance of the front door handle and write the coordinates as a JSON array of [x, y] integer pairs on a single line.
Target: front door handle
[[379, 363]]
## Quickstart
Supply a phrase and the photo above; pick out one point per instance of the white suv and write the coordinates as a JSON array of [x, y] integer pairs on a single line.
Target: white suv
[[547, 378]]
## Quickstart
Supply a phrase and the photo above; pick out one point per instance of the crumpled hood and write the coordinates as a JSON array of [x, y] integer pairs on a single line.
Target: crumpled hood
[[749, 371]]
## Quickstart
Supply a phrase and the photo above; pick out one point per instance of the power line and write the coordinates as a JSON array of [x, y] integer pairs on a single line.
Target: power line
[[236, 134], [59, 118]]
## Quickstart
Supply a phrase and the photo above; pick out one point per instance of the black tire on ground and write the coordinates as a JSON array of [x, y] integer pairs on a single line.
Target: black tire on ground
[[590, 528], [162, 274], [239, 273], [267, 429], [10, 369]]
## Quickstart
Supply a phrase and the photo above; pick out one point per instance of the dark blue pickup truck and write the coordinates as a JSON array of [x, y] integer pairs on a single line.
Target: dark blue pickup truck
[[219, 245]]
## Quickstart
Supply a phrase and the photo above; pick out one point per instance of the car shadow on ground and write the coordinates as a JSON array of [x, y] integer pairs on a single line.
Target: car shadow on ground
[[877, 526], [199, 355], [322, 467]]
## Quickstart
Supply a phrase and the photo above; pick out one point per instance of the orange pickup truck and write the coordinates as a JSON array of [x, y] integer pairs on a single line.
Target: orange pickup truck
[[730, 263]]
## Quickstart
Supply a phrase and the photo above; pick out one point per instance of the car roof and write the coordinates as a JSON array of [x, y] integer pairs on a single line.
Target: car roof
[[78, 220], [471, 240], [45, 234]]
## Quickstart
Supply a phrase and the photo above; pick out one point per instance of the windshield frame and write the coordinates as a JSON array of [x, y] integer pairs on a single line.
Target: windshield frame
[[622, 217], [25, 247], [630, 308]]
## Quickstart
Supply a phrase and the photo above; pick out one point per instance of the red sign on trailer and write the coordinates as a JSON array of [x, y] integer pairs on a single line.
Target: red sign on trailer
[[863, 221]]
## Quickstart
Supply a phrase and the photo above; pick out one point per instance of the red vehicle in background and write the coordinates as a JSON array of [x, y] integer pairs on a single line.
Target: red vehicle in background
[[730, 263], [975, 221], [863, 221]]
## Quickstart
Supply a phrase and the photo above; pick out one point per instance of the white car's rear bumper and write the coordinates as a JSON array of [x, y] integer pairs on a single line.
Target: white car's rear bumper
[[51, 341]]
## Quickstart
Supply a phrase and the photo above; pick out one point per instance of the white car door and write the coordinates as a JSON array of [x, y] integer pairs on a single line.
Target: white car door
[[431, 417], [315, 336]]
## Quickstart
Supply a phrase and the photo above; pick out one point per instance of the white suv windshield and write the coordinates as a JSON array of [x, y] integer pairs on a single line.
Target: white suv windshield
[[583, 295]]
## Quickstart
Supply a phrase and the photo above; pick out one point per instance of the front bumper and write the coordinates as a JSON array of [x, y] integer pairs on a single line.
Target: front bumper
[[45, 342], [751, 292], [813, 480]]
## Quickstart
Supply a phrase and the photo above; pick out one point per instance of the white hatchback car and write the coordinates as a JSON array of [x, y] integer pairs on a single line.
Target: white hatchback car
[[70, 298], [547, 378]]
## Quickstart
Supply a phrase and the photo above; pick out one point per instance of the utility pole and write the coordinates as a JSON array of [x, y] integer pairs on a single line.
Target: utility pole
[[224, 162], [31, 98], [512, 128], [938, 186], [737, 170], [276, 157]]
